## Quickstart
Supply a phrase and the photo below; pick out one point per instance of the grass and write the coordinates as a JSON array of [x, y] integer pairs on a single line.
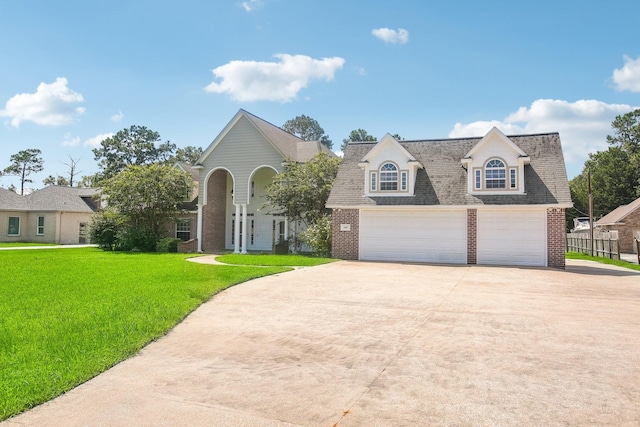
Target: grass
[[625, 264], [23, 244], [273, 260], [66, 316]]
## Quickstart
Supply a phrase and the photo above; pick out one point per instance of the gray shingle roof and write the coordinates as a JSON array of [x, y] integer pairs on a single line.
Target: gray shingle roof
[[290, 145], [619, 214], [10, 201], [443, 181], [51, 198]]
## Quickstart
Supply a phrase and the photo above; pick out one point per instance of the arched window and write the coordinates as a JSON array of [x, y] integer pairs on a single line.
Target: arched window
[[495, 174], [388, 177]]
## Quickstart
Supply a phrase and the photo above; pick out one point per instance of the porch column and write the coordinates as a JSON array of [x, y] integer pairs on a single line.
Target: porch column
[[199, 231], [244, 229], [286, 228], [236, 232]]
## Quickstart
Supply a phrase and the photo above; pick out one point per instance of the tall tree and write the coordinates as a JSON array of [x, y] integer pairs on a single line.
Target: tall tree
[[146, 197], [614, 182], [134, 146], [188, 154], [357, 135], [301, 190], [304, 127], [23, 164], [72, 170], [56, 180], [626, 135]]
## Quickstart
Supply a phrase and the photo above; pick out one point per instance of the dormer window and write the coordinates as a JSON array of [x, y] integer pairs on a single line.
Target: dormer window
[[495, 174], [388, 177]]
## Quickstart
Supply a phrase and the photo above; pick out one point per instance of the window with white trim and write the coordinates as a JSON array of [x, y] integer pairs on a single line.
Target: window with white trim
[[403, 181], [14, 226], [478, 182], [495, 174], [374, 179], [513, 180], [389, 177], [40, 226]]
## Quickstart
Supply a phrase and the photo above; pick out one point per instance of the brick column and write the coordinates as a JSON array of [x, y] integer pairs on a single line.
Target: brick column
[[472, 236], [345, 234], [214, 213], [556, 237]]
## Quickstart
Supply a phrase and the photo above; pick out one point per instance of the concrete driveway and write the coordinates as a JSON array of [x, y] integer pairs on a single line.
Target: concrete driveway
[[365, 344]]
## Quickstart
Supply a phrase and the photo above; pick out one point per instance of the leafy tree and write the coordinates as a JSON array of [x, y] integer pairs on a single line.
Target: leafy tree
[[308, 129], [614, 182], [104, 227], [626, 135], [145, 197], [188, 154], [357, 135], [301, 190], [134, 146], [56, 180], [23, 164]]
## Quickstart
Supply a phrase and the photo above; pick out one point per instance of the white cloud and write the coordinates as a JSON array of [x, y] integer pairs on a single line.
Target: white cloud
[[251, 5], [388, 35], [628, 77], [583, 126], [96, 140], [117, 117], [52, 104], [70, 141], [280, 81]]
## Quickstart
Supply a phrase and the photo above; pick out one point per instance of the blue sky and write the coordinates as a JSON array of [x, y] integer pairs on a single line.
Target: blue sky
[[75, 72]]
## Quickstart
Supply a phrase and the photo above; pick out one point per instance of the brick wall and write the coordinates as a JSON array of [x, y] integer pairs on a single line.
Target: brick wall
[[214, 213], [625, 232], [345, 244], [556, 238], [188, 247], [472, 236]]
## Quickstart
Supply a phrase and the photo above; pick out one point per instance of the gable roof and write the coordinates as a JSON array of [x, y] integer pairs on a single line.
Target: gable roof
[[186, 167], [492, 134], [288, 145], [51, 198], [618, 215], [386, 140], [443, 181]]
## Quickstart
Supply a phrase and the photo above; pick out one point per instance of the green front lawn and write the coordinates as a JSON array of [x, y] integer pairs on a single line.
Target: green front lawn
[[273, 260], [67, 315], [625, 264]]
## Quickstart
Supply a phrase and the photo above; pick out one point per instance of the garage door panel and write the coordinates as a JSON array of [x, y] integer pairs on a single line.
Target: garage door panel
[[419, 236], [512, 237]]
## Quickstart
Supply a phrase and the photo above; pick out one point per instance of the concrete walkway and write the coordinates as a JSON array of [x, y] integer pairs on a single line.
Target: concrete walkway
[[365, 344]]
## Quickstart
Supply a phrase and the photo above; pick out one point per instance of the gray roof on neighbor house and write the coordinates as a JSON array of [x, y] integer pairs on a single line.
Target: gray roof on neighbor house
[[618, 215], [51, 198], [289, 145], [443, 181], [10, 201]]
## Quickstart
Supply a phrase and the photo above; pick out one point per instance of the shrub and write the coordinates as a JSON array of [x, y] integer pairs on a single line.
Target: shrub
[[318, 236], [103, 229], [132, 238], [168, 244]]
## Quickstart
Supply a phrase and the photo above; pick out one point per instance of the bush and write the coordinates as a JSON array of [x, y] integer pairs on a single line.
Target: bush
[[132, 238], [103, 229], [318, 236], [168, 244]]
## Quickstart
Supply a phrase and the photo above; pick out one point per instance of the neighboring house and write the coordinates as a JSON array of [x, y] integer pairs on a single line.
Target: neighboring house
[[491, 200], [626, 220], [233, 173], [50, 215]]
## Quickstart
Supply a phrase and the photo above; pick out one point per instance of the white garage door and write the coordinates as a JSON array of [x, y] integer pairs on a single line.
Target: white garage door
[[414, 235], [512, 237]]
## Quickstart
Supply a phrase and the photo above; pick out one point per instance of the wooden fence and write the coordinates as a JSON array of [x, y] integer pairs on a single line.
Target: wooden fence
[[605, 244]]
